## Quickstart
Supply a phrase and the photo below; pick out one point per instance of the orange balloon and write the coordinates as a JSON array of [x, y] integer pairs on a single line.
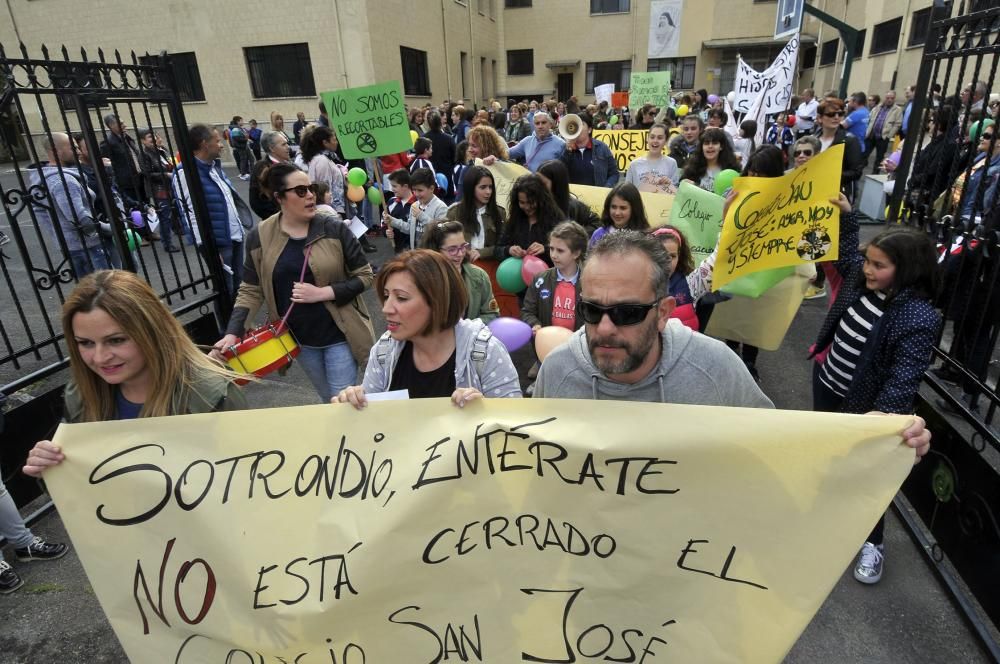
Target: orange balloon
[[355, 193], [549, 338]]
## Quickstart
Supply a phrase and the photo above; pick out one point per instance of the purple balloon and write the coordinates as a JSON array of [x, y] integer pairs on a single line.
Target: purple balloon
[[511, 332], [894, 157], [713, 99], [137, 219]]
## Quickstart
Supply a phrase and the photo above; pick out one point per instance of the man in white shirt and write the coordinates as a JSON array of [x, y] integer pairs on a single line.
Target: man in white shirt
[[805, 114]]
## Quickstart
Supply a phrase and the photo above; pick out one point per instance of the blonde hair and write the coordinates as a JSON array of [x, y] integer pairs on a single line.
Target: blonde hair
[[488, 140], [277, 115], [171, 357]]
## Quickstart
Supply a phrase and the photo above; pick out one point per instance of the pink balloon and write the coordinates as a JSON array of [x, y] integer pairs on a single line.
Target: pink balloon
[[511, 332], [531, 267], [137, 219]]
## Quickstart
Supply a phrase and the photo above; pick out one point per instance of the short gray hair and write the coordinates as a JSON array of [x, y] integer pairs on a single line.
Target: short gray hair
[[110, 119], [541, 114], [811, 141], [621, 243], [268, 140]]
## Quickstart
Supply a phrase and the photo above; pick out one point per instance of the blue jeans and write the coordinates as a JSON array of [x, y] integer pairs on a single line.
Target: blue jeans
[[88, 260], [11, 524], [232, 256], [329, 368]]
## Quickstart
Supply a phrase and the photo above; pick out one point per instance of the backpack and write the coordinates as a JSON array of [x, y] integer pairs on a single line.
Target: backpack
[[478, 354]]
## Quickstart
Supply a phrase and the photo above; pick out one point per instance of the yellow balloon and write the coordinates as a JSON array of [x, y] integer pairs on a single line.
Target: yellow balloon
[[549, 338], [355, 194], [682, 110], [414, 136]]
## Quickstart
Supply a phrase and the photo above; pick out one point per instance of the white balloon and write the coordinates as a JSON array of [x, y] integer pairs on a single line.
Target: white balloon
[[731, 97]]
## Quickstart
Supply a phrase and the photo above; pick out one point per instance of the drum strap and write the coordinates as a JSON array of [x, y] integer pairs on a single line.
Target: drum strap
[[302, 275]]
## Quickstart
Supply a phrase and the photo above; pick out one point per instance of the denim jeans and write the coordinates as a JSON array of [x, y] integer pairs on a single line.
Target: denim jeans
[[329, 368], [11, 524], [232, 256], [88, 260]]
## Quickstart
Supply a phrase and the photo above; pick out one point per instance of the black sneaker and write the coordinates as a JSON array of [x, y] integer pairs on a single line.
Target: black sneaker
[[9, 580], [39, 549]]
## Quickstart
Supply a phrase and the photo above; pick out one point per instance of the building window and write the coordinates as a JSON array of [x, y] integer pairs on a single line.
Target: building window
[[483, 77], [920, 27], [496, 76], [416, 82], [681, 70], [515, 4], [616, 71], [859, 47], [463, 64], [809, 57], [885, 37], [609, 7], [280, 71], [521, 62], [829, 53], [186, 74]]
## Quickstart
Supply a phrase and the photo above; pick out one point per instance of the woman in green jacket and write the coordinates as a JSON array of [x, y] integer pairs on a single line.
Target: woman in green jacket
[[129, 357], [448, 237]]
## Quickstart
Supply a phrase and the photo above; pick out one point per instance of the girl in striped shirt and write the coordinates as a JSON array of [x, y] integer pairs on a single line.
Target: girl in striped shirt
[[880, 333]]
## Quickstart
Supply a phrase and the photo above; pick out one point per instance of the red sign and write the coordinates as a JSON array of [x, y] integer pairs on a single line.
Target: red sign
[[619, 99]]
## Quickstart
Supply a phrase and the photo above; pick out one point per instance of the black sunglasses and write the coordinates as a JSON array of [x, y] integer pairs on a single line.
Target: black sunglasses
[[987, 136], [621, 315], [301, 190], [800, 153], [834, 114]]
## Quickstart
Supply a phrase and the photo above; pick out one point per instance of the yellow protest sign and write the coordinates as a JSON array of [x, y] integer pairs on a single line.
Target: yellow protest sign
[[784, 221], [534, 530], [625, 145], [505, 173]]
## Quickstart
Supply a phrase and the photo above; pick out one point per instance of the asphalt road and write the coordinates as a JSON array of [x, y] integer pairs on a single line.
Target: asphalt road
[[907, 618]]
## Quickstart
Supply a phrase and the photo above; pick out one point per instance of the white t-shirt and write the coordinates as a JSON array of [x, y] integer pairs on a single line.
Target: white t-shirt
[[806, 109], [479, 239], [656, 176]]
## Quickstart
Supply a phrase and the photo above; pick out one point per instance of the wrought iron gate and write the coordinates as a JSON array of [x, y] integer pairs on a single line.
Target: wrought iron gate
[[66, 215], [952, 504]]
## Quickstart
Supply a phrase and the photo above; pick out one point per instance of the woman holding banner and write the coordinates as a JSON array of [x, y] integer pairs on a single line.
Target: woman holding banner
[[429, 349], [555, 177], [128, 358]]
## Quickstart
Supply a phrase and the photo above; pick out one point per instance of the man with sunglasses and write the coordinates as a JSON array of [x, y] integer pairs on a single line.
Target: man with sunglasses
[[627, 351]]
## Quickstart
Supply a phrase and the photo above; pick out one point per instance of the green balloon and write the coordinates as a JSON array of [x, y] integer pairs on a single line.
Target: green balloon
[[613, 119], [724, 181], [374, 196], [357, 176], [509, 275], [132, 239]]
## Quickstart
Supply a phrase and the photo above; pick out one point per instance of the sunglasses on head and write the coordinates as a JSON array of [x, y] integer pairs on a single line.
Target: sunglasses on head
[[803, 153], [834, 114], [621, 315], [301, 190]]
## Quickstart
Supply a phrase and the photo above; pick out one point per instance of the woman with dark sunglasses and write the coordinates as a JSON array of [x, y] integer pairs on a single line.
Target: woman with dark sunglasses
[[314, 262], [831, 133]]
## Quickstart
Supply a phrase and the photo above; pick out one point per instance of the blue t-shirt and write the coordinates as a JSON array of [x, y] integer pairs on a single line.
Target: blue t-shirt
[[857, 124], [126, 409]]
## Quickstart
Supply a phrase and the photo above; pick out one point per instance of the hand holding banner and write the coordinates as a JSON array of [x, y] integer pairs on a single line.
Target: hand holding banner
[[784, 221]]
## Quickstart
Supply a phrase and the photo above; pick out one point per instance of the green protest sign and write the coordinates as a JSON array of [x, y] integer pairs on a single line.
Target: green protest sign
[[698, 214], [369, 121], [649, 87]]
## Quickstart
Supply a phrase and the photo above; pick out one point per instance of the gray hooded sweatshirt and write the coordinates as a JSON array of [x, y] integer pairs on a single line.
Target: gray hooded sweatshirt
[[494, 375], [693, 369]]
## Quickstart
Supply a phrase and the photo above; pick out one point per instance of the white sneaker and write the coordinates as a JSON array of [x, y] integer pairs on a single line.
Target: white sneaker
[[869, 567], [245, 177]]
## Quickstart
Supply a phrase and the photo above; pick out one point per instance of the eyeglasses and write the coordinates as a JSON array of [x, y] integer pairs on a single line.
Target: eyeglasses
[[803, 153], [834, 114], [301, 190], [987, 136], [455, 251], [621, 315]]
